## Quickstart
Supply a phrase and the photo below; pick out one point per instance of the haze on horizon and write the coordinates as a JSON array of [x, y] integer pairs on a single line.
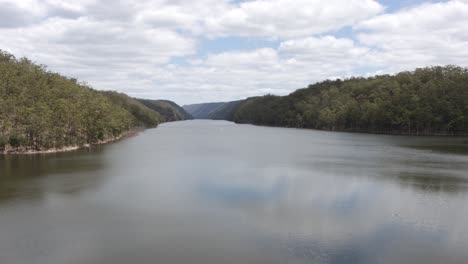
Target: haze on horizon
[[220, 50]]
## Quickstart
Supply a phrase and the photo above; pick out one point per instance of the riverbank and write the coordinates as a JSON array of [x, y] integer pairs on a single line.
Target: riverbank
[[371, 132], [26, 151]]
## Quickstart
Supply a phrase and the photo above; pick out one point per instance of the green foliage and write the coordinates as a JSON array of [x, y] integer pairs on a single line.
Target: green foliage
[[3, 143], [16, 141], [42, 110], [142, 115], [427, 101]]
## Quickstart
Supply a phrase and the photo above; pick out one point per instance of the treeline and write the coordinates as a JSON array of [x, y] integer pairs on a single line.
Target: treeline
[[427, 101], [41, 110]]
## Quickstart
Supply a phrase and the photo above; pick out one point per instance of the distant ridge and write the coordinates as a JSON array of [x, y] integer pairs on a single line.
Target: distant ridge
[[216, 111]]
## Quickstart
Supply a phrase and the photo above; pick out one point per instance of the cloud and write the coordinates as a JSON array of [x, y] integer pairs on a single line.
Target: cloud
[[26, 12], [238, 74], [327, 50], [286, 19], [260, 18], [188, 16], [428, 34], [14, 14]]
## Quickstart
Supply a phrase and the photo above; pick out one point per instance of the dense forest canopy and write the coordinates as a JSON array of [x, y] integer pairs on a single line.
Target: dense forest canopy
[[42, 110], [427, 101]]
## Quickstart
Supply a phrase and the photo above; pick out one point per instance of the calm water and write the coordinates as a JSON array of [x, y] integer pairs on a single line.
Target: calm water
[[214, 192]]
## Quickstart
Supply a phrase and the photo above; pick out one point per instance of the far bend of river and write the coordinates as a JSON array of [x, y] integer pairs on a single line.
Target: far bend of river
[[213, 192]]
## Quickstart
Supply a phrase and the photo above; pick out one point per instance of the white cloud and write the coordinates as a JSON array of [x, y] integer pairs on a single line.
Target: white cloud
[[14, 13], [327, 50], [236, 75], [185, 15], [260, 18], [428, 34], [256, 58], [284, 18]]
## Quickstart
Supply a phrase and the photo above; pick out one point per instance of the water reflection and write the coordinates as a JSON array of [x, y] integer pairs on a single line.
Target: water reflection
[[460, 147], [33, 176], [235, 194]]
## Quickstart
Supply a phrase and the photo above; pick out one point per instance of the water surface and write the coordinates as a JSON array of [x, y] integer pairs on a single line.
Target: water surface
[[216, 192]]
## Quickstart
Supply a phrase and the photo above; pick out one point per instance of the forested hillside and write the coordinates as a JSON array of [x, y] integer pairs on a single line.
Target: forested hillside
[[41, 110], [169, 110], [216, 111], [423, 102]]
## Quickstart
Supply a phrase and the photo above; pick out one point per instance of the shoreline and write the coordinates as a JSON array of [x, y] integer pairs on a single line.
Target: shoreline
[[127, 134], [394, 133]]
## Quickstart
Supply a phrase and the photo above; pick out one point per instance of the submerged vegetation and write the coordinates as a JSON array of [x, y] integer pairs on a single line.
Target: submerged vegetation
[[42, 110], [427, 101]]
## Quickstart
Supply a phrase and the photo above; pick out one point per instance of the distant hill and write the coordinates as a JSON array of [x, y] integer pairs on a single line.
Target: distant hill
[[216, 111], [169, 110]]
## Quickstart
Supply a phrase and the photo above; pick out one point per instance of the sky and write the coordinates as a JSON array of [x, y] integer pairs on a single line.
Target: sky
[[220, 50]]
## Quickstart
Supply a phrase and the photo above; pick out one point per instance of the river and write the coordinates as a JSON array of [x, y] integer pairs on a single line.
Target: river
[[214, 192]]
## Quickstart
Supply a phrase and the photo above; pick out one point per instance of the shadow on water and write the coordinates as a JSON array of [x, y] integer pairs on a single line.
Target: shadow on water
[[30, 176], [427, 182], [442, 145], [441, 177], [460, 149]]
